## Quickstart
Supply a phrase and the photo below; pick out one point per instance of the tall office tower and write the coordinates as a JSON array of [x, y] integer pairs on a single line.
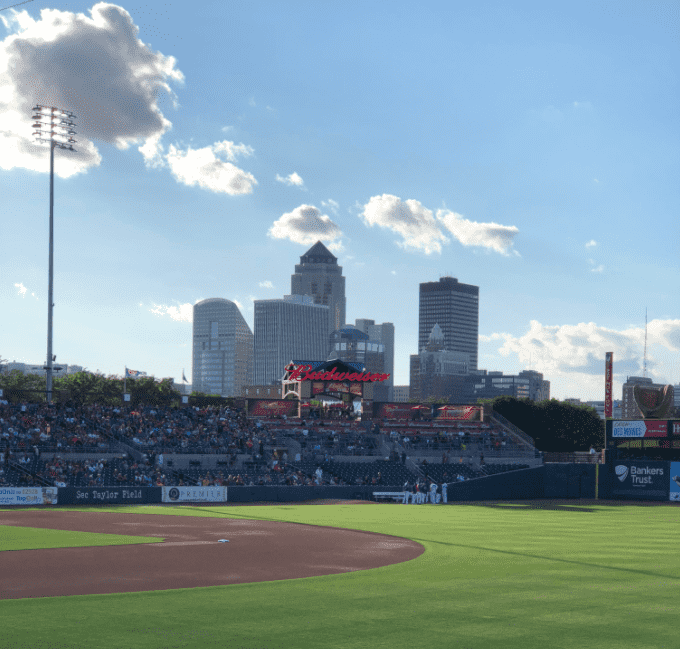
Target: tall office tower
[[319, 275], [455, 308], [382, 333], [293, 328], [223, 349]]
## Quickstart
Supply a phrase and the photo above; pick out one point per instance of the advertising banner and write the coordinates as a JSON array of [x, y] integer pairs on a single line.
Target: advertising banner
[[608, 375], [318, 387], [356, 389], [194, 494], [641, 479], [337, 387], [108, 495], [468, 413], [395, 410], [640, 428], [28, 495], [272, 407], [674, 474]]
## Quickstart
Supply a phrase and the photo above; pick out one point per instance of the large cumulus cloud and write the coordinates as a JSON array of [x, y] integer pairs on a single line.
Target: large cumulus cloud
[[94, 66]]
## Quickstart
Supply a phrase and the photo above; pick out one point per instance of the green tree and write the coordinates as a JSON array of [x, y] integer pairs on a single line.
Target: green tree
[[555, 426], [18, 386]]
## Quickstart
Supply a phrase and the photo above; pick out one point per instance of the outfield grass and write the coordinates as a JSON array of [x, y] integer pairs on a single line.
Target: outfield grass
[[30, 538], [492, 576]]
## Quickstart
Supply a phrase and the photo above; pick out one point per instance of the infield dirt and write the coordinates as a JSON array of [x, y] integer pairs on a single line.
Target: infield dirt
[[191, 554]]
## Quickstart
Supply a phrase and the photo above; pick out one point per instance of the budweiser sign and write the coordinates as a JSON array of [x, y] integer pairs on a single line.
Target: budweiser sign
[[305, 373]]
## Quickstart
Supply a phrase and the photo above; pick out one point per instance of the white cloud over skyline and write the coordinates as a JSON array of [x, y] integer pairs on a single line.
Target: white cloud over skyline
[[94, 66], [266, 284], [180, 313], [306, 225], [410, 219], [293, 179], [204, 168], [493, 236], [579, 350]]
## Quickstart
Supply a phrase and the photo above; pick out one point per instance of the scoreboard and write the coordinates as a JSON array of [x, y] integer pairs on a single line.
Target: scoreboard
[[643, 434]]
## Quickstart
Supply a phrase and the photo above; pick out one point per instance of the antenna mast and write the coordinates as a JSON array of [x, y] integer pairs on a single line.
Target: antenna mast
[[644, 362]]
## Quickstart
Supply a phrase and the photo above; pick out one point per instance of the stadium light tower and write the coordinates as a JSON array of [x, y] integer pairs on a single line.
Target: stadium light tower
[[58, 132]]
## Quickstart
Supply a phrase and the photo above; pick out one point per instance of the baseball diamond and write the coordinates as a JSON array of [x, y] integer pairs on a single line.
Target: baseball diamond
[[189, 556]]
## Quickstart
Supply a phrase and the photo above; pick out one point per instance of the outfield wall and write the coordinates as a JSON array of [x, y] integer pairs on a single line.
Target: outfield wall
[[627, 480]]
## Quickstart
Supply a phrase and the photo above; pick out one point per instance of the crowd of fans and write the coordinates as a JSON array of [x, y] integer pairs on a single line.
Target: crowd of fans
[[29, 431]]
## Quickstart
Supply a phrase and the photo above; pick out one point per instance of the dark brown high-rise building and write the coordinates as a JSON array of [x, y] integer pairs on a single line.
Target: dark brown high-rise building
[[319, 275], [455, 308]]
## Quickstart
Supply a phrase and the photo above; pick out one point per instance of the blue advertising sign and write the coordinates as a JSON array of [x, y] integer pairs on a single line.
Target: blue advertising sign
[[641, 479], [674, 493]]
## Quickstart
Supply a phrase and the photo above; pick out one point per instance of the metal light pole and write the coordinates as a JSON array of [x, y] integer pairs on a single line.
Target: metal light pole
[[59, 124]]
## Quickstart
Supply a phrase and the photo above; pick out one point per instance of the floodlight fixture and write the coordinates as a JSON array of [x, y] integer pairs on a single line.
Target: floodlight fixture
[[58, 124]]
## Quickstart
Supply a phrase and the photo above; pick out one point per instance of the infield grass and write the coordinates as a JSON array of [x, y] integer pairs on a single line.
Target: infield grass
[[506, 575], [30, 538]]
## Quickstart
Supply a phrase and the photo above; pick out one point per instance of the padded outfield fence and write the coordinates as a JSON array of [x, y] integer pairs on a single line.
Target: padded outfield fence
[[627, 480]]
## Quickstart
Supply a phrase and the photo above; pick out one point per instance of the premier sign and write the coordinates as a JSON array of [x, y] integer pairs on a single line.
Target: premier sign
[[305, 373]]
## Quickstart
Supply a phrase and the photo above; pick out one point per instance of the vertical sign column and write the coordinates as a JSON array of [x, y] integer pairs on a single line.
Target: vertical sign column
[[609, 359]]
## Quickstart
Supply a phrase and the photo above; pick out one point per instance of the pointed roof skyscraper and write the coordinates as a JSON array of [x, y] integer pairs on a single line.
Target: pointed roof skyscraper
[[319, 275], [318, 254]]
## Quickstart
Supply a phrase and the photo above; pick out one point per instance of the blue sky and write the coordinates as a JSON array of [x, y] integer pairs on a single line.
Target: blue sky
[[531, 149]]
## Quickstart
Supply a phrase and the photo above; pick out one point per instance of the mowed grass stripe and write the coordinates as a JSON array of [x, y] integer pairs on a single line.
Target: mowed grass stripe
[[32, 538], [490, 576]]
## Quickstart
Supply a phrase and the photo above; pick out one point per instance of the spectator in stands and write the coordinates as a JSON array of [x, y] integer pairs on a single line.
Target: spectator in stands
[[403, 457], [481, 458]]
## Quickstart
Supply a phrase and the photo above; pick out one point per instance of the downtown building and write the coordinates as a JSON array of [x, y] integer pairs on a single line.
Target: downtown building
[[292, 328], [383, 334], [222, 349], [352, 345], [455, 308], [319, 276]]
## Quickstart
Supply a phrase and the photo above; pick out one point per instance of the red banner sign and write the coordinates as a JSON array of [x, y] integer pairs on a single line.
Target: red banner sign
[[469, 413], [305, 373], [608, 371], [272, 407]]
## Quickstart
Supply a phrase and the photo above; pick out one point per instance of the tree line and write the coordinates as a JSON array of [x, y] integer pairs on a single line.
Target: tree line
[[87, 388]]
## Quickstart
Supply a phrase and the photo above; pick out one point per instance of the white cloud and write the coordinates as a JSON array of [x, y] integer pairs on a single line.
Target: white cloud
[[394, 272], [332, 205], [306, 225], [94, 66], [599, 269], [266, 284], [591, 243], [202, 167], [226, 129], [180, 313], [238, 304], [486, 235], [291, 179], [22, 289], [251, 102], [410, 219], [232, 150], [579, 350], [583, 105]]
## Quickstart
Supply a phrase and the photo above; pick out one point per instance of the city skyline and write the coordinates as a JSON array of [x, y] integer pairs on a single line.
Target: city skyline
[[532, 153]]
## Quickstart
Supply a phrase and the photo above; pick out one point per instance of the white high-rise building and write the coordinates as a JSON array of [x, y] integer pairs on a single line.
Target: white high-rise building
[[294, 328], [223, 349]]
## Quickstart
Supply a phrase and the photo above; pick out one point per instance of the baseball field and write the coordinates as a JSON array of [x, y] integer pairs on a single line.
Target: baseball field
[[548, 574]]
